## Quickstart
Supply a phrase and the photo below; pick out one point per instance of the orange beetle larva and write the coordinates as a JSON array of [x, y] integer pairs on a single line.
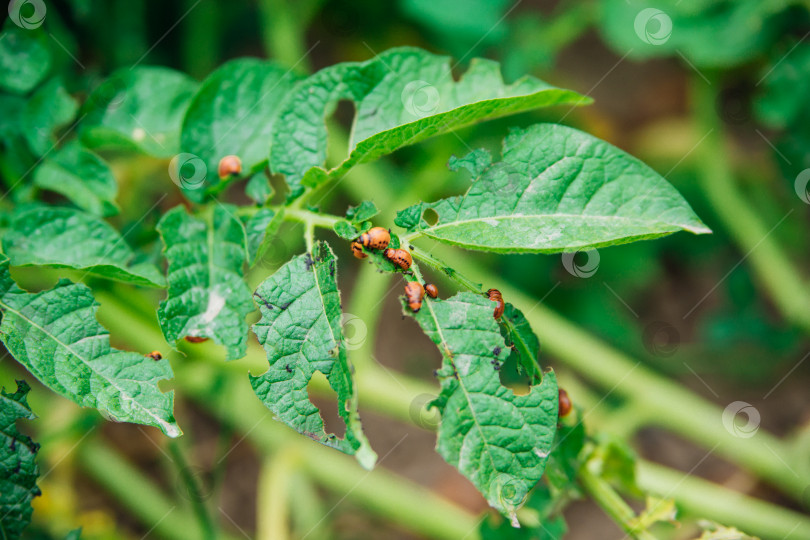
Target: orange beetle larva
[[229, 166], [399, 257], [432, 290], [414, 292], [375, 238], [357, 250], [565, 403], [155, 355], [195, 339], [495, 296]]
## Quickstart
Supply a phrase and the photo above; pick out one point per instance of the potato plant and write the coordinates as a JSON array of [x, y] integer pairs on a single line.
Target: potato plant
[[198, 229]]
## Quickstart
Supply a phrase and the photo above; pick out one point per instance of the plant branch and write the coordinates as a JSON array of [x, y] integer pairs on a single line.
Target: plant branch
[[195, 494]]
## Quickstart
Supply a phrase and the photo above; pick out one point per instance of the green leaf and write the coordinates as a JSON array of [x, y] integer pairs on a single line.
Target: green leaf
[[566, 455], [260, 229], [783, 85], [539, 521], [363, 212], [233, 113], [68, 238], [259, 189], [56, 336], [49, 109], [300, 330], [346, 230], [207, 296], [519, 336], [707, 33], [25, 58], [498, 440], [138, 108], [557, 189], [81, 176], [476, 162], [402, 97], [18, 468]]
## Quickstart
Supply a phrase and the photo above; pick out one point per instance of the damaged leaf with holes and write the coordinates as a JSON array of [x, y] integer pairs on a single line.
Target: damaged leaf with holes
[[499, 440], [556, 189], [18, 467], [401, 97], [300, 330], [56, 336], [207, 296]]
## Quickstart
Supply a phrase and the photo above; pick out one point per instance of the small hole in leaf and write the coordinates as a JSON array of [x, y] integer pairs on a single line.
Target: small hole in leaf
[[430, 216], [323, 397]]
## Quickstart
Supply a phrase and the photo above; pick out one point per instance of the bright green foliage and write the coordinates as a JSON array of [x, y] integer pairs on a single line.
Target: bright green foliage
[[18, 468], [715, 531], [498, 440], [401, 97], [50, 108], [784, 87], [259, 189], [233, 113], [207, 296], [519, 336], [69, 238], [557, 189], [615, 461], [475, 162], [707, 32], [566, 454], [55, 335], [140, 109], [81, 176], [540, 521], [301, 331], [260, 229], [25, 58]]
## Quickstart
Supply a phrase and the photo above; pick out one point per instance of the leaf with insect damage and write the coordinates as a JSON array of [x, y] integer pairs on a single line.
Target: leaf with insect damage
[[18, 467], [401, 97], [56, 336], [207, 295], [300, 330], [499, 440]]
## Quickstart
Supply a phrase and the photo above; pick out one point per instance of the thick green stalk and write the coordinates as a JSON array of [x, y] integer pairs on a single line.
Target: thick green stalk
[[772, 267], [128, 485], [610, 501], [272, 500], [207, 526], [700, 497]]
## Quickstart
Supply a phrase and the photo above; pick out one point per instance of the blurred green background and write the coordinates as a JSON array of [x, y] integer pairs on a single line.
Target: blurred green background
[[713, 96]]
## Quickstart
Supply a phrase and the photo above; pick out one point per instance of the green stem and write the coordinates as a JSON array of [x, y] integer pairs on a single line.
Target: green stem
[[610, 501], [283, 34], [272, 507], [700, 497], [769, 262], [195, 494], [129, 486]]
